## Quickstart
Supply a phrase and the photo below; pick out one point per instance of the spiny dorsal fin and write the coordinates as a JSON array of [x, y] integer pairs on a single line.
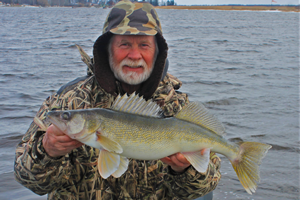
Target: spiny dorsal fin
[[137, 105], [196, 113]]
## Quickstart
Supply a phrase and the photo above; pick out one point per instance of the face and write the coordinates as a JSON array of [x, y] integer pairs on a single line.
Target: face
[[132, 57]]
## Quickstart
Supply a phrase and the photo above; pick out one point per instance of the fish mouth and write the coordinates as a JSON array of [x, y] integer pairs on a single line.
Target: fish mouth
[[63, 123], [54, 118]]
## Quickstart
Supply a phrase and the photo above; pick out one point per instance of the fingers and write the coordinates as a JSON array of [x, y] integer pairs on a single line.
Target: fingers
[[178, 157], [56, 143], [177, 162], [167, 160], [56, 135]]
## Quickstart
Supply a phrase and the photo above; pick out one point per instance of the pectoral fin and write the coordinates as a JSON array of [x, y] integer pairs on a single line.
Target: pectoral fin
[[122, 167], [198, 159], [108, 163], [109, 144]]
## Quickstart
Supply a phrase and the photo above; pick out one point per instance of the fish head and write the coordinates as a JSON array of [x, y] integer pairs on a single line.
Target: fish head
[[71, 123]]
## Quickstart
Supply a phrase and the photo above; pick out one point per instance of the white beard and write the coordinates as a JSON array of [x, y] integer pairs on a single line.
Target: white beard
[[131, 78]]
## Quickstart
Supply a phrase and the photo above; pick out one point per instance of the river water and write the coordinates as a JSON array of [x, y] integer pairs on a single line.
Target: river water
[[243, 65]]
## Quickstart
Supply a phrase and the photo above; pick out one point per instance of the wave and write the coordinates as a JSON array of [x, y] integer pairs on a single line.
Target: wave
[[16, 117], [229, 101], [243, 51], [10, 140], [213, 83], [220, 41], [274, 146], [283, 148], [236, 125]]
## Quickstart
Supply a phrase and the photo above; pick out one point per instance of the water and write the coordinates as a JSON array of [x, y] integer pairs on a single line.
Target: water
[[244, 66]]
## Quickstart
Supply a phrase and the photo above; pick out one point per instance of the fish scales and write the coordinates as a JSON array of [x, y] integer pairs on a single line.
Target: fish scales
[[166, 136], [138, 131]]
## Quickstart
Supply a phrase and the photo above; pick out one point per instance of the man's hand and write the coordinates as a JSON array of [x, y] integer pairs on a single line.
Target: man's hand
[[56, 143], [177, 162]]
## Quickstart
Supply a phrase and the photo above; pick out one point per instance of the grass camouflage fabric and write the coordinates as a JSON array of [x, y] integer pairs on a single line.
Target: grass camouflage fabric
[[75, 176]]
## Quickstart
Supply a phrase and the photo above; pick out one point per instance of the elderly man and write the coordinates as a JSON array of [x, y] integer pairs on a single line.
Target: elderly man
[[130, 56]]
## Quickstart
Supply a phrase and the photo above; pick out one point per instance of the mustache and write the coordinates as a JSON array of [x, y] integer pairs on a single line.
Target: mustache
[[133, 63]]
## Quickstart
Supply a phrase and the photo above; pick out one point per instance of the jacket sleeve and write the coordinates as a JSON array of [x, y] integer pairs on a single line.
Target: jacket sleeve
[[33, 167], [192, 184]]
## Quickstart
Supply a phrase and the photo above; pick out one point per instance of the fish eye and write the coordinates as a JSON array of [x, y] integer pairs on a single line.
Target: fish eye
[[66, 115]]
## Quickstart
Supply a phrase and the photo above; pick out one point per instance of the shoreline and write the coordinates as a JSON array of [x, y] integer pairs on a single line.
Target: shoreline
[[292, 8], [235, 7]]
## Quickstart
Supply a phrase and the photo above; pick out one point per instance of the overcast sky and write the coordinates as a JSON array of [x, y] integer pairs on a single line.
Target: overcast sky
[[213, 2]]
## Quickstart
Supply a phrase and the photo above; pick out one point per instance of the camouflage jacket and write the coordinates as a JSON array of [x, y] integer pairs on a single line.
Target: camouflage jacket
[[75, 175]]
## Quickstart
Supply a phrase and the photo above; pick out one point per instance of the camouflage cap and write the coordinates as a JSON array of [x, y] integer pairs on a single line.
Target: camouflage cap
[[127, 18]]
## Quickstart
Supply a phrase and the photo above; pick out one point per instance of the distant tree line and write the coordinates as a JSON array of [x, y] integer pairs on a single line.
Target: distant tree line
[[82, 2]]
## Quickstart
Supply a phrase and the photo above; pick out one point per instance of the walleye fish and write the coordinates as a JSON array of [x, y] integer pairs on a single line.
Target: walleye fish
[[134, 128]]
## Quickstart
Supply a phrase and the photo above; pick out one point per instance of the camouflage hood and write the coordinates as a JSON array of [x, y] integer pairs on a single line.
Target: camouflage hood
[[127, 18]]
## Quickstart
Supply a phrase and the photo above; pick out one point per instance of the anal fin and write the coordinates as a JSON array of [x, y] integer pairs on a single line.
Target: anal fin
[[198, 159]]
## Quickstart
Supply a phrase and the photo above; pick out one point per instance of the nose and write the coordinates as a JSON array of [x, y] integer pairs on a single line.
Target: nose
[[134, 53]]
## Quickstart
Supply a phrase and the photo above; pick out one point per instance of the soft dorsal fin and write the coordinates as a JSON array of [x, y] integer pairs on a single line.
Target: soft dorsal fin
[[196, 113], [137, 105]]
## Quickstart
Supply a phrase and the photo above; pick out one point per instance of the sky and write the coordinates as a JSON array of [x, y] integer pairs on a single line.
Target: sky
[[248, 2]]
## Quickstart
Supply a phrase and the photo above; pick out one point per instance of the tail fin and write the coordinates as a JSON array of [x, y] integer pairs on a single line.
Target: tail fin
[[247, 163]]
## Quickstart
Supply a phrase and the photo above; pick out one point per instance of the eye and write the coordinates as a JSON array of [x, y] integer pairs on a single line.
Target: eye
[[66, 115], [145, 46], [124, 45]]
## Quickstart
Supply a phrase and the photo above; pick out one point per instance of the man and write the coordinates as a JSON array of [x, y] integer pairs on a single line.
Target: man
[[130, 56]]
